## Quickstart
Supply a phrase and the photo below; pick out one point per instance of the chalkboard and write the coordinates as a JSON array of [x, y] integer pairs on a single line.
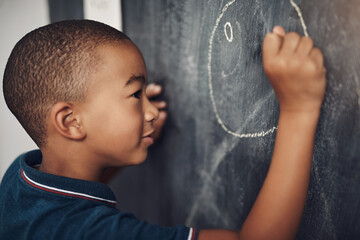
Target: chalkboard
[[212, 159]]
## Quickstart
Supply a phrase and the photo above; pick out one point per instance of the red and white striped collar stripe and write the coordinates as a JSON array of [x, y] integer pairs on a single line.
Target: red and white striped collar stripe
[[192, 234], [65, 192]]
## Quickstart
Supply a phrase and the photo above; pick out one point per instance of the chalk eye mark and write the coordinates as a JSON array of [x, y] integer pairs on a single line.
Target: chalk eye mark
[[223, 74], [228, 26]]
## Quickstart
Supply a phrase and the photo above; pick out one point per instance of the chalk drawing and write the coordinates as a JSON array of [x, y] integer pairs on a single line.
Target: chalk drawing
[[229, 144], [231, 38], [219, 120], [300, 16]]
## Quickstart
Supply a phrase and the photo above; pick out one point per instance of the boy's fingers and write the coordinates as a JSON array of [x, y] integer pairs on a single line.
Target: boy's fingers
[[161, 119], [153, 90], [318, 57], [305, 46], [159, 124], [291, 42], [159, 104], [271, 46]]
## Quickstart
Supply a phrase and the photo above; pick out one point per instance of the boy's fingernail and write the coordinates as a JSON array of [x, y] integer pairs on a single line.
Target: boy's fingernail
[[163, 104], [157, 88], [279, 31]]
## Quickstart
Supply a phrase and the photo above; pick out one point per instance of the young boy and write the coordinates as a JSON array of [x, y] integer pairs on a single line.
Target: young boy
[[78, 89]]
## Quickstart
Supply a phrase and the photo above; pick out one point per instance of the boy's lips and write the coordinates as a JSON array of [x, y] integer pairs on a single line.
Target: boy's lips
[[148, 134], [147, 138]]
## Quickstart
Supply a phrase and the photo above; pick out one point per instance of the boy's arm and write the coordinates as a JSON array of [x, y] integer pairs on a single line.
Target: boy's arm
[[295, 70]]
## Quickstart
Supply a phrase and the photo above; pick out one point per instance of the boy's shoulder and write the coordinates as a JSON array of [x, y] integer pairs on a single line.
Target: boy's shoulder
[[55, 206], [9, 176]]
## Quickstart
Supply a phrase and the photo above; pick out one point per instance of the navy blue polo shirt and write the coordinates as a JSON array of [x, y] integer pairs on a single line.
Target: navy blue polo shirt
[[38, 205]]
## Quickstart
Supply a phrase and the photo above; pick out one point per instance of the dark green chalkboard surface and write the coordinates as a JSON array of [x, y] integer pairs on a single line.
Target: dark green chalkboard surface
[[216, 147]]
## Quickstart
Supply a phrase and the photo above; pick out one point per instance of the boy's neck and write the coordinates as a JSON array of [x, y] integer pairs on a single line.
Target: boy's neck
[[72, 164]]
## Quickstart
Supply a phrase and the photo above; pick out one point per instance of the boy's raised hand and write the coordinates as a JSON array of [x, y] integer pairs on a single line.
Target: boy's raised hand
[[295, 69], [152, 91]]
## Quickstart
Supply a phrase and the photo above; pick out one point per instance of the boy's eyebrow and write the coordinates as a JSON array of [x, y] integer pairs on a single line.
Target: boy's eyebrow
[[134, 78]]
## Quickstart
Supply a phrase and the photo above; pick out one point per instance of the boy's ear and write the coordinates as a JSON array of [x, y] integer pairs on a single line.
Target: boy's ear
[[66, 122]]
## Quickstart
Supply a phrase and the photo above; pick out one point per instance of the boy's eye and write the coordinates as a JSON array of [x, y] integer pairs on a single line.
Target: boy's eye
[[137, 94]]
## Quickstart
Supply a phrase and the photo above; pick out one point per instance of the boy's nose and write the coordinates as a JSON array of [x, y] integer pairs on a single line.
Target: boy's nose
[[151, 112]]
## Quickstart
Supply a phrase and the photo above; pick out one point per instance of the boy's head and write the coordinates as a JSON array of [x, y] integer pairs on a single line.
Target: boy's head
[[52, 64], [69, 77]]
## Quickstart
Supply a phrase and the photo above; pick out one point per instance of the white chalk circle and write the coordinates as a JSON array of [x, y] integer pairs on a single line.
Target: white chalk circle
[[228, 32]]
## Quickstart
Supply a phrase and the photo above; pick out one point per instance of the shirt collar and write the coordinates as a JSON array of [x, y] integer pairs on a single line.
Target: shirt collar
[[89, 190]]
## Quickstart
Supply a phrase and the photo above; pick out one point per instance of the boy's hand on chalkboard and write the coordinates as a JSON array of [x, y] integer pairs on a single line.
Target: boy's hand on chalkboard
[[152, 91], [295, 69]]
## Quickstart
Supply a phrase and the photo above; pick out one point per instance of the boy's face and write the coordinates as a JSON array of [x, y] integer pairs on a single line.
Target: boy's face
[[117, 115]]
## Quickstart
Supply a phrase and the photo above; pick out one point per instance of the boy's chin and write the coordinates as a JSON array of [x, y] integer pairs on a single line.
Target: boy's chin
[[135, 158], [138, 159]]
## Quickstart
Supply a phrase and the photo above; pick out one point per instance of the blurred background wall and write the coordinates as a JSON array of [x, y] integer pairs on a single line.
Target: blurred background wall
[[17, 17]]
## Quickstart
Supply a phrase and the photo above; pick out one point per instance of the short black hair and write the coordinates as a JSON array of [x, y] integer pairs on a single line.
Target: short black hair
[[52, 64]]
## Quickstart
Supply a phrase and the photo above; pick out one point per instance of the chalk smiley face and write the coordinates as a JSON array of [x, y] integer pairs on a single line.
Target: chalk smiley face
[[235, 50], [237, 82]]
